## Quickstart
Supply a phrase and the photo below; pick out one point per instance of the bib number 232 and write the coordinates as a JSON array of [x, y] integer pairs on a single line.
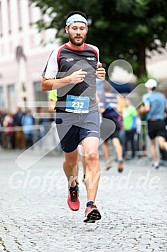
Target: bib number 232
[[77, 104]]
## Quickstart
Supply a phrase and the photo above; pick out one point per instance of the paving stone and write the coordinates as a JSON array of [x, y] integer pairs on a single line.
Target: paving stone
[[34, 216]]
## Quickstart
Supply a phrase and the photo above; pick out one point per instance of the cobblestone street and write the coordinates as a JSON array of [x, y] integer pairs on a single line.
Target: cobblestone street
[[34, 216]]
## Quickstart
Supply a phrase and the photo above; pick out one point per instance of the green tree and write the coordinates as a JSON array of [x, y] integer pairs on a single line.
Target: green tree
[[122, 29]]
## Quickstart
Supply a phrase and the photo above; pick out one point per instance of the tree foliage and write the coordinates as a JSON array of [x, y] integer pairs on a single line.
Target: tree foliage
[[122, 29]]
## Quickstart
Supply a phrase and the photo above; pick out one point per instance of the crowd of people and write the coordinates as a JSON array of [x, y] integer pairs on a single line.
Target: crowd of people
[[21, 129]]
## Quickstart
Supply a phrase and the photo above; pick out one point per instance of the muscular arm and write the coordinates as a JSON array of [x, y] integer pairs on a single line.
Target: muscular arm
[[50, 84], [75, 78]]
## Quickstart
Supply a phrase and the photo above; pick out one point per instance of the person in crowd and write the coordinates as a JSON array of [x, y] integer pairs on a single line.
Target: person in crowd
[[42, 122], [8, 136], [20, 141], [2, 115], [129, 125], [138, 134], [27, 123]]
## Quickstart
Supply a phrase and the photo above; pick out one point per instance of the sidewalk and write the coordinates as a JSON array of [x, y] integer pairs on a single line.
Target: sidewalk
[[34, 216]]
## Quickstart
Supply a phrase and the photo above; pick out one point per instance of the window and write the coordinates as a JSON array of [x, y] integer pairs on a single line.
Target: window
[[11, 98]]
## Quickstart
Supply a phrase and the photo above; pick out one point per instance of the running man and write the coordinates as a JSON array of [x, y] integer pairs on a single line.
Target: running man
[[72, 69], [108, 107], [155, 105]]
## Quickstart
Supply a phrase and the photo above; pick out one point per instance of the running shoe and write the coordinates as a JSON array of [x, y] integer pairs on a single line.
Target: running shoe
[[156, 165], [120, 165], [108, 165], [92, 214], [73, 199]]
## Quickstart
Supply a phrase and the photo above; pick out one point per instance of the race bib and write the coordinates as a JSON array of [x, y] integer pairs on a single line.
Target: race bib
[[77, 104]]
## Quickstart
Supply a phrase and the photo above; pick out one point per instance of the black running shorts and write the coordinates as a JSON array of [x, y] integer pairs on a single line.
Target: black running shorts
[[73, 128], [156, 128]]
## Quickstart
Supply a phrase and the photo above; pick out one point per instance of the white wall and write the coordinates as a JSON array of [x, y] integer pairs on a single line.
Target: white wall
[[17, 30]]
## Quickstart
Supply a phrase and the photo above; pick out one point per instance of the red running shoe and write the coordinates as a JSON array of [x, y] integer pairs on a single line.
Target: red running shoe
[[92, 214], [73, 200]]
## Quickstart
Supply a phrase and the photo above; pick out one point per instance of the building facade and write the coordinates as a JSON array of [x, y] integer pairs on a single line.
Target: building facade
[[24, 52], [23, 55]]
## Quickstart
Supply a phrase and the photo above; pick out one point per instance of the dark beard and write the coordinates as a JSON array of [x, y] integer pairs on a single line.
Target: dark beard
[[77, 43]]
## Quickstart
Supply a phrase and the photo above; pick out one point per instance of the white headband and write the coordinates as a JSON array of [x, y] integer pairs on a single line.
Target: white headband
[[76, 18]]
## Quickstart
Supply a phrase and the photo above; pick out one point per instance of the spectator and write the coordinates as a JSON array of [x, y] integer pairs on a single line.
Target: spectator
[[138, 134], [42, 120], [129, 125], [8, 140], [19, 135], [2, 115], [28, 121]]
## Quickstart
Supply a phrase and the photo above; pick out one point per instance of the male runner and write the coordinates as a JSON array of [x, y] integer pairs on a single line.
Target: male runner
[[72, 69]]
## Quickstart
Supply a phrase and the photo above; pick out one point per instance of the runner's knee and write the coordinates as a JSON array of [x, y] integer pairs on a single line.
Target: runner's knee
[[92, 157]]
